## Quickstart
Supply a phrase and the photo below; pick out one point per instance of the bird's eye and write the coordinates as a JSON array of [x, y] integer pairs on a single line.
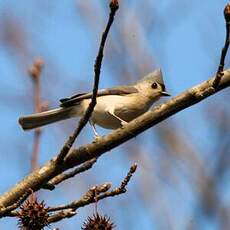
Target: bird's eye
[[154, 85]]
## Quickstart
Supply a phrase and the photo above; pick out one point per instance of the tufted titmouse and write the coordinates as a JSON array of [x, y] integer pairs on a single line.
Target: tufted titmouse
[[115, 106]]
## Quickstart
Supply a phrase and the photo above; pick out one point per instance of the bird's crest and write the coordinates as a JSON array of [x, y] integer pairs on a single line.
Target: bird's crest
[[153, 76]]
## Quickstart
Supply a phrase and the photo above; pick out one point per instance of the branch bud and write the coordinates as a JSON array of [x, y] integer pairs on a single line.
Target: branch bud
[[36, 68], [227, 13], [114, 5], [133, 168]]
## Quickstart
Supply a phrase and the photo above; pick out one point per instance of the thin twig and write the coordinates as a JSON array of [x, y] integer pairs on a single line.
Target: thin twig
[[125, 182], [122, 188], [97, 69], [64, 176], [35, 73], [61, 215], [224, 51], [97, 193], [87, 198]]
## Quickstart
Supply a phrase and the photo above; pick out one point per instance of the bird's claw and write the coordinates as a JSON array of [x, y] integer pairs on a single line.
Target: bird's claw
[[96, 137]]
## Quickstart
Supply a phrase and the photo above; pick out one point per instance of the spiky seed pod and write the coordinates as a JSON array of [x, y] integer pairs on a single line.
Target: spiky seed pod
[[98, 222], [33, 215]]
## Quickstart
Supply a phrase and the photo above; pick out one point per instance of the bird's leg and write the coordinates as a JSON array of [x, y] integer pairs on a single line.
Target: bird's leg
[[92, 124], [122, 121], [111, 112]]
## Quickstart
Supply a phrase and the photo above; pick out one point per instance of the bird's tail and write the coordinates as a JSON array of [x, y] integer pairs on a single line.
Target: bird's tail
[[44, 118]]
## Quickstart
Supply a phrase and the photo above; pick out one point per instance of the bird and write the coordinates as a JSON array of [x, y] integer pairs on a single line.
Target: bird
[[115, 106]]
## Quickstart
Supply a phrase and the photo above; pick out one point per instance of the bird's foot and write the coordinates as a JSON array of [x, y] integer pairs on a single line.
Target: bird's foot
[[96, 137]]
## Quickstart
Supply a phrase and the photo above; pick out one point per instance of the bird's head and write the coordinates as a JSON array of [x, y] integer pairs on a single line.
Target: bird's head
[[153, 85]]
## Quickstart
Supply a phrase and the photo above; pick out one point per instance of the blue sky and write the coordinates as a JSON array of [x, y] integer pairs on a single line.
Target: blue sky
[[184, 39]]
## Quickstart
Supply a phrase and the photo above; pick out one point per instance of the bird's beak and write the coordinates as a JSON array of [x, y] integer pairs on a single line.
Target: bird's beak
[[163, 93]]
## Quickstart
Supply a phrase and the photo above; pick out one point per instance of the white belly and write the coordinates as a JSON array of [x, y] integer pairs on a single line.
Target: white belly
[[125, 107]]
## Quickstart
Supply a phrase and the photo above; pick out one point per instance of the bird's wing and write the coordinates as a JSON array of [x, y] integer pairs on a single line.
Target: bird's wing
[[118, 90]]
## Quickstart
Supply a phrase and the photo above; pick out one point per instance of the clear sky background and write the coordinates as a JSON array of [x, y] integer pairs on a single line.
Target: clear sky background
[[183, 38]]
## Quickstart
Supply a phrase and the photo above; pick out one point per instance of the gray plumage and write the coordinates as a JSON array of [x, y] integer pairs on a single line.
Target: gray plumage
[[44, 118], [153, 76], [118, 90], [115, 106]]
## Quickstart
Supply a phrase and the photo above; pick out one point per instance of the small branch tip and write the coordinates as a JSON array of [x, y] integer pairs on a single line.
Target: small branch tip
[[133, 168], [36, 68], [227, 13], [114, 5], [224, 51]]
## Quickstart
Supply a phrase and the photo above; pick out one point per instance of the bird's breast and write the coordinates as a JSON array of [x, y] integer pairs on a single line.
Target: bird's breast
[[125, 107]]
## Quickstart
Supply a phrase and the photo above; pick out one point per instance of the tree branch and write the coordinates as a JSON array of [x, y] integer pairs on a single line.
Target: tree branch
[[98, 192], [61, 215], [6, 211], [78, 156], [87, 198], [65, 176]]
